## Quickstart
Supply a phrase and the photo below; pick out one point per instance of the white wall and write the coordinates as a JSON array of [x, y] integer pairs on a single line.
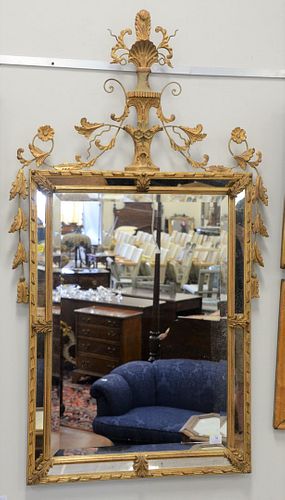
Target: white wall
[[217, 33]]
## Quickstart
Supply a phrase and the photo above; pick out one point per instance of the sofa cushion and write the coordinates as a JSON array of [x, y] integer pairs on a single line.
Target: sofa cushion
[[188, 384], [148, 424]]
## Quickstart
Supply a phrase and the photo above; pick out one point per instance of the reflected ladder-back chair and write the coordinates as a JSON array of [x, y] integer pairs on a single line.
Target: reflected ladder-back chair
[[179, 272]]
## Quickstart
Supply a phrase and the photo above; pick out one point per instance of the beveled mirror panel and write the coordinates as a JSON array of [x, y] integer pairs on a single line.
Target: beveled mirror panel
[[144, 362]]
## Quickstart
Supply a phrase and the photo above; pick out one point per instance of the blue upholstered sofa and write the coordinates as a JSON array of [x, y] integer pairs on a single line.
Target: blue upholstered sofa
[[141, 402]]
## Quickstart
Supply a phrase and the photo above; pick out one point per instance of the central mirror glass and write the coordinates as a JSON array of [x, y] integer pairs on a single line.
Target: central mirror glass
[[139, 352]]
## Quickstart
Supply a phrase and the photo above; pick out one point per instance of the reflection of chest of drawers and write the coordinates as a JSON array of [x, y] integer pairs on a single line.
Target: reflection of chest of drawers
[[106, 337]]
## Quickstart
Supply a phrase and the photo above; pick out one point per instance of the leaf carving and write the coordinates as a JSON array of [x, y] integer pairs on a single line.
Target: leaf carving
[[256, 255], [164, 44], [108, 146], [260, 191], [254, 287], [20, 256], [176, 146], [19, 222], [87, 128], [20, 157], [19, 186], [243, 160], [259, 227], [198, 164], [142, 25], [22, 291], [39, 155], [120, 45], [42, 326], [194, 134], [143, 183], [140, 466]]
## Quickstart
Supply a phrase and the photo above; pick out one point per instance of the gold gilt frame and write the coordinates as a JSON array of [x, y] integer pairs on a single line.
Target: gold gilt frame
[[141, 176]]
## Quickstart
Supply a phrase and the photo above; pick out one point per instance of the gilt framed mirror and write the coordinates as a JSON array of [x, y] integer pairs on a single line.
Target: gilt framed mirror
[[140, 287]]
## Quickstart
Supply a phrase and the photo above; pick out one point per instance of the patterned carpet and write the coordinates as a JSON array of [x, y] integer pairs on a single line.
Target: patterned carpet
[[80, 407]]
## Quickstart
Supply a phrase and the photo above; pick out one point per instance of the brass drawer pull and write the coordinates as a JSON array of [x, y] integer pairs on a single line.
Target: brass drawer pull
[[86, 330], [111, 334], [111, 349], [85, 346]]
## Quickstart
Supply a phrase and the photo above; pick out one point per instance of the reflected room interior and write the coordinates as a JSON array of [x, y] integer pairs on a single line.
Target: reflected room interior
[[139, 350]]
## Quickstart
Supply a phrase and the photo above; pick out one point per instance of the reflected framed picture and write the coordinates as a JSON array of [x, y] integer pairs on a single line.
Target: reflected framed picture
[[282, 260], [279, 407]]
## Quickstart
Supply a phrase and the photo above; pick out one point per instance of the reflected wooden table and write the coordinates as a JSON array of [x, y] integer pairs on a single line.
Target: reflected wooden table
[[179, 303]]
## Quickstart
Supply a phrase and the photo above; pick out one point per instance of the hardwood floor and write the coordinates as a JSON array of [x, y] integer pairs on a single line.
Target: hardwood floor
[[69, 438]]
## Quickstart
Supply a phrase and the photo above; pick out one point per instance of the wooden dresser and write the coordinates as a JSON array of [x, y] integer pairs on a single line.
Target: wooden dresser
[[133, 304], [106, 337]]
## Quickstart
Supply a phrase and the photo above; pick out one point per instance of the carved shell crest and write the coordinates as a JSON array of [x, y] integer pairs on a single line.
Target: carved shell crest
[[143, 54]]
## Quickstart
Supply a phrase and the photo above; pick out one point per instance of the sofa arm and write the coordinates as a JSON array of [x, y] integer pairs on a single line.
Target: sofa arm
[[113, 395]]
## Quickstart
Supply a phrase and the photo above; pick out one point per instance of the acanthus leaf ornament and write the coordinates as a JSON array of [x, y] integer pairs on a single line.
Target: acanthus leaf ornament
[[22, 291], [256, 255], [239, 185], [260, 191], [19, 222], [39, 155], [140, 466], [20, 256], [19, 186], [243, 160], [142, 25], [86, 128], [259, 227], [254, 287], [143, 183]]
